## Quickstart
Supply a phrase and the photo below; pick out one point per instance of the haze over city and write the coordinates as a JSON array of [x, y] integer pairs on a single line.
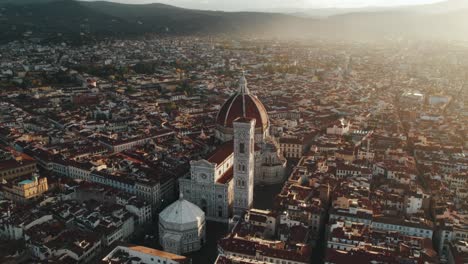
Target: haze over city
[[234, 132], [246, 5]]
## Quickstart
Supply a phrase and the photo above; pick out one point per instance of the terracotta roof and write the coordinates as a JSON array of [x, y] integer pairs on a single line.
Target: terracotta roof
[[12, 163], [238, 245], [158, 253], [242, 105], [296, 141], [227, 176], [357, 256], [284, 254], [221, 153]]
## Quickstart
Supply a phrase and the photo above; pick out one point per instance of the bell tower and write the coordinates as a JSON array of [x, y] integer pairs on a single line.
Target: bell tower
[[244, 164]]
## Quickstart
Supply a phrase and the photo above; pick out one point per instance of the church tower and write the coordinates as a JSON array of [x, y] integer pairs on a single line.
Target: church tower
[[244, 163]]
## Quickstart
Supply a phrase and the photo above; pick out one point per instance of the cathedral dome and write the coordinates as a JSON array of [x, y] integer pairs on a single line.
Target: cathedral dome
[[243, 104]]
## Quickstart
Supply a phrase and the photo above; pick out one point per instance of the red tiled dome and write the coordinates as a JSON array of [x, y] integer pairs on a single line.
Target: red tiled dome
[[243, 105]]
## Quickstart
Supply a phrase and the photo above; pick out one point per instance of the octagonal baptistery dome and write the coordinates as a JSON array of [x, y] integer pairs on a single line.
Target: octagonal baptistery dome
[[182, 227], [242, 104]]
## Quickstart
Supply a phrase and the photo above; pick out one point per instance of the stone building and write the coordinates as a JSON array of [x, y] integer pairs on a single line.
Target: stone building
[[24, 189], [222, 184], [270, 164], [182, 227]]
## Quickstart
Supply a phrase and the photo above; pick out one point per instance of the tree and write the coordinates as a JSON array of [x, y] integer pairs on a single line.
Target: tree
[[131, 90], [170, 107]]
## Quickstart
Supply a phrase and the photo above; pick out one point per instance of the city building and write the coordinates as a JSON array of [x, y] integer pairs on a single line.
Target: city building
[[24, 189], [292, 147], [411, 227], [253, 250], [142, 255], [269, 162], [182, 227], [458, 252], [13, 166], [222, 184]]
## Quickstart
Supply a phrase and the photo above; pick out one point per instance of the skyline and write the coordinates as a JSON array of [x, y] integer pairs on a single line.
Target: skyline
[[245, 5], [159, 138], [234, 131]]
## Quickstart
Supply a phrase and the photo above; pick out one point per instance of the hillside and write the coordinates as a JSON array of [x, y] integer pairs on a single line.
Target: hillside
[[71, 20], [451, 25], [439, 7], [178, 20], [49, 19], [22, 2], [434, 8]]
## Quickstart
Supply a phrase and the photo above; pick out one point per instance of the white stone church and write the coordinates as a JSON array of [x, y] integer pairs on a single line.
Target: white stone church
[[222, 184]]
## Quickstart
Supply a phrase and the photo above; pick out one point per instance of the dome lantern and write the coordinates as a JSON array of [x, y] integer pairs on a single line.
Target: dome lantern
[[243, 89]]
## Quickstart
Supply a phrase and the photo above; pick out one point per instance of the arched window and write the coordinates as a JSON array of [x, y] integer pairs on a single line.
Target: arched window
[[204, 205], [241, 148], [220, 211]]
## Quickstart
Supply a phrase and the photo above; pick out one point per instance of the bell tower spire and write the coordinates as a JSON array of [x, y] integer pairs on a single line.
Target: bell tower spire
[[243, 89]]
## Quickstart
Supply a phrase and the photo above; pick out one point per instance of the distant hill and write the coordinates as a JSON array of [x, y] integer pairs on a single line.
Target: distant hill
[[22, 2], [71, 20], [326, 12], [50, 19], [438, 7], [75, 19], [452, 25], [173, 19]]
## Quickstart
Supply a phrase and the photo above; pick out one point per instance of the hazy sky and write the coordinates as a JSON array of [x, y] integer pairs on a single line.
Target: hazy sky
[[236, 5]]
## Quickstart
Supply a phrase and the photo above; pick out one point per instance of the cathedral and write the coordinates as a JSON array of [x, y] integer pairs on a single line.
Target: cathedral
[[222, 184], [270, 164]]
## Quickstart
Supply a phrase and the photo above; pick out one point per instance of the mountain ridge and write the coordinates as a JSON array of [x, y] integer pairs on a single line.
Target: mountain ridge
[[65, 19]]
